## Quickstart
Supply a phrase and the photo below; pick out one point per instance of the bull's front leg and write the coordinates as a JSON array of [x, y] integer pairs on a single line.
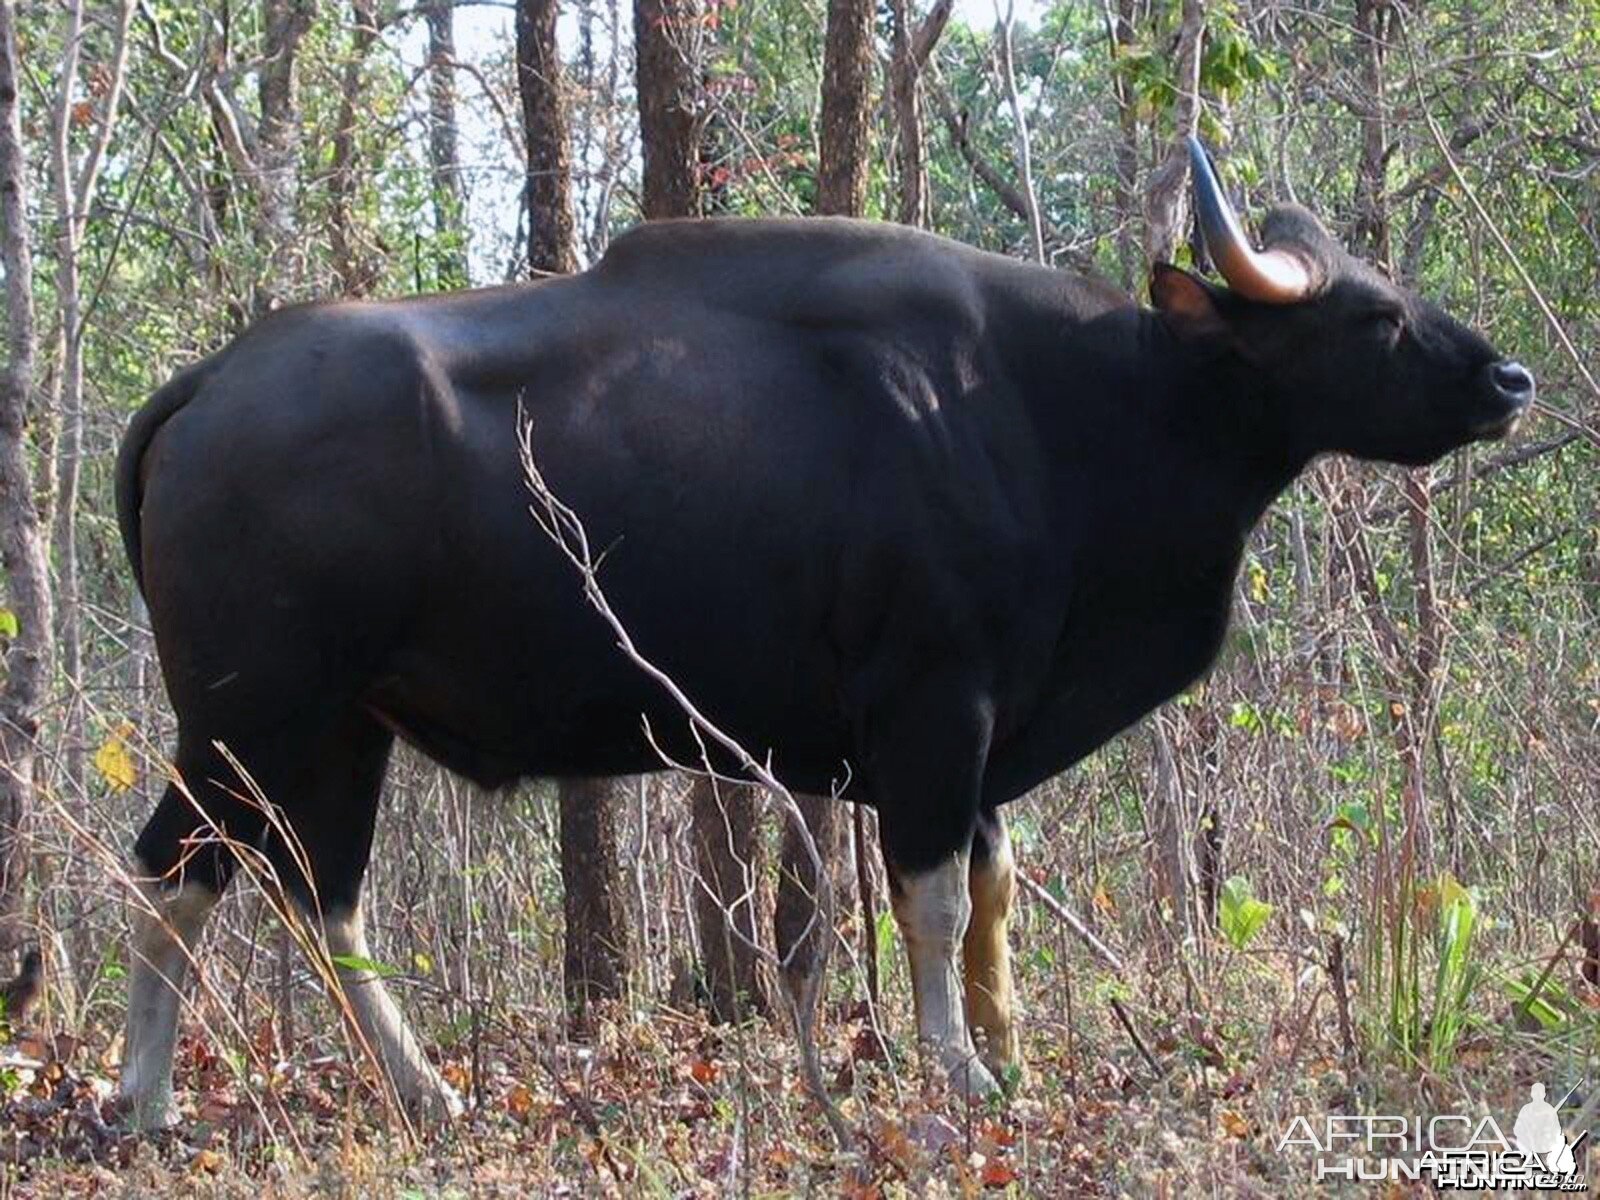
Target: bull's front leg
[[986, 950], [932, 908], [927, 754]]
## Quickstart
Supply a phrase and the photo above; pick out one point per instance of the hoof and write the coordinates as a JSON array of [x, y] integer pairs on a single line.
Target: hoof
[[149, 1114], [1003, 1061], [432, 1102], [1011, 1074], [967, 1073]]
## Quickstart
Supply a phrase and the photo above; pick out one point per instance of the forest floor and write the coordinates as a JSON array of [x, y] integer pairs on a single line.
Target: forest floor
[[663, 1104]]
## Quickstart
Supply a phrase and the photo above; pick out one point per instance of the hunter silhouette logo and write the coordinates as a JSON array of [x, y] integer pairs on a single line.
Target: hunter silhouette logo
[[1538, 1133]]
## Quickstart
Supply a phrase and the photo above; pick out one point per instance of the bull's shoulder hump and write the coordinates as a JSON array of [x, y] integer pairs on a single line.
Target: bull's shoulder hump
[[810, 271]]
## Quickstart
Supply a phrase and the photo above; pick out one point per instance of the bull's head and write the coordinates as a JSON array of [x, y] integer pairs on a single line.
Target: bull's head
[[1360, 364]]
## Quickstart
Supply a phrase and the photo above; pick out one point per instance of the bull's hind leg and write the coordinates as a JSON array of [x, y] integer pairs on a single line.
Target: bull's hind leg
[[184, 866], [425, 1095], [333, 819], [325, 776], [165, 931], [986, 950]]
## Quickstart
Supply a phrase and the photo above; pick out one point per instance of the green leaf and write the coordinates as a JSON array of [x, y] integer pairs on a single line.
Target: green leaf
[[885, 932], [1353, 816], [1246, 716], [8, 623], [1549, 1006], [1241, 913], [354, 962]]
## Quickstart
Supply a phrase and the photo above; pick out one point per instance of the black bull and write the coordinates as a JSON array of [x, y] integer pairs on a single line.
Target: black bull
[[927, 524]]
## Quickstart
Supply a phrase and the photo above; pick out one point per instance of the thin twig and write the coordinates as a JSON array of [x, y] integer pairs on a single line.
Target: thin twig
[[1133, 1034], [566, 529], [1488, 222], [1070, 919]]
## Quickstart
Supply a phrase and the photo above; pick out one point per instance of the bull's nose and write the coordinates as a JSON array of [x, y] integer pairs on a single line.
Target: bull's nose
[[1513, 381]]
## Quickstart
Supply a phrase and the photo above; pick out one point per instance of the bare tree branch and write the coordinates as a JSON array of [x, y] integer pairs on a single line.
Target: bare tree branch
[[566, 530]]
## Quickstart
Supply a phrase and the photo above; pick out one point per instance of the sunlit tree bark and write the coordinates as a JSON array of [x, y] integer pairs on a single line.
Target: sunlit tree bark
[[28, 640]]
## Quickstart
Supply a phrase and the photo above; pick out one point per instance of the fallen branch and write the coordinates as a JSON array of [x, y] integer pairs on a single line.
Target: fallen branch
[[1070, 919]]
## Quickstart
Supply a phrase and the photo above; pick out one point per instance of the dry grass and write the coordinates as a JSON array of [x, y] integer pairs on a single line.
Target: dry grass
[[661, 1103]]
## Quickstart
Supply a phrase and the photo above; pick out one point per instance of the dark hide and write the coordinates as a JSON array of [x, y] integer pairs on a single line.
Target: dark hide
[[925, 523]]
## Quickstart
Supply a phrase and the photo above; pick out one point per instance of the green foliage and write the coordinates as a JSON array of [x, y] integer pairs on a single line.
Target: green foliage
[[354, 962], [884, 941], [1542, 999], [1240, 914], [1457, 974]]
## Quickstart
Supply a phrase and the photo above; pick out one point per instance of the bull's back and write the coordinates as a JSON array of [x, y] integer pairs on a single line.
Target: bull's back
[[341, 513]]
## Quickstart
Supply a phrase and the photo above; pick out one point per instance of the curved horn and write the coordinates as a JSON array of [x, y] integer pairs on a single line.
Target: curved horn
[[1270, 276]]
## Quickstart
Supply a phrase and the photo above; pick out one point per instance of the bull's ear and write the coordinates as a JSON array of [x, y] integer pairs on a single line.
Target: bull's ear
[[1186, 301]]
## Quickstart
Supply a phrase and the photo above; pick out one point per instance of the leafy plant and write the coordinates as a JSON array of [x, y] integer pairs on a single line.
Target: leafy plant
[[1241, 914], [1457, 975], [1547, 1002]]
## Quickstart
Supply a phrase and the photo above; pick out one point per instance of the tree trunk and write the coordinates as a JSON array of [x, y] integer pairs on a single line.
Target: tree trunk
[[444, 153], [355, 273], [595, 957], [27, 653], [603, 148], [728, 898], [802, 941], [911, 50], [595, 954], [1019, 120], [75, 186], [286, 23], [1121, 29], [846, 105], [665, 33], [722, 827], [1165, 203], [1372, 217], [552, 245]]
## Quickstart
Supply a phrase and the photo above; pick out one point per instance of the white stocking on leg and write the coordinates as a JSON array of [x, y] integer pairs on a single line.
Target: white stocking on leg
[[932, 909], [382, 1027], [162, 941]]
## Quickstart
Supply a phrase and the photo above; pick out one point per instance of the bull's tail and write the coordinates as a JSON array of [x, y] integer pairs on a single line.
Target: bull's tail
[[168, 399]]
